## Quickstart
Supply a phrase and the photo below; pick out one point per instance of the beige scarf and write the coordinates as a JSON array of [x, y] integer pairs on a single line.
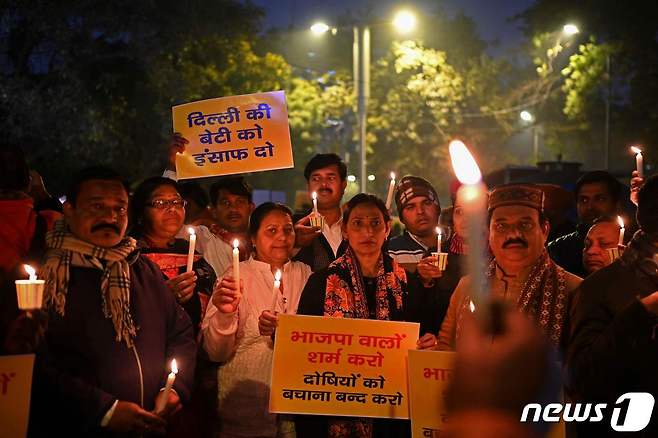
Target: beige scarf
[[65, 250]]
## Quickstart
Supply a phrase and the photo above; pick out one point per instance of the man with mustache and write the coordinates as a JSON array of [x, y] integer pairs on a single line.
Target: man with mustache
[[602, 235], [114, 325], [613, 343], [598, 193], [521, 272], [326, 175]]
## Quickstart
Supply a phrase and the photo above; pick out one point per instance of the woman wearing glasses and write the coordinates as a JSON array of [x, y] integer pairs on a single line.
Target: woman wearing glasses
[[157, 214]]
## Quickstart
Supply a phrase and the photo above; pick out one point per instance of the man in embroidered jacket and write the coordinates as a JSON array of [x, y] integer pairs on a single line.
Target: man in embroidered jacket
[[521, 272]]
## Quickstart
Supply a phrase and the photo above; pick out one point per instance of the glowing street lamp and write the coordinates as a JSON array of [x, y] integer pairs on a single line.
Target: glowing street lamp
[[570, 29], [404, 21], [526, 116], [319, 28]]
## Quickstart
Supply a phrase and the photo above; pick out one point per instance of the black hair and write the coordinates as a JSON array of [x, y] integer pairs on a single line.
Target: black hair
[[365, 198], [601, 176], [320, 161], [647, 206], [192, 190], [92, 173], [235, 185], [259, 213], [140, 199], [14, 171]]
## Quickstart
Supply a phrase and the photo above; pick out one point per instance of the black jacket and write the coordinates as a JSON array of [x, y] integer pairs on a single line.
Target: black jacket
[[81, 369], [612, 346]]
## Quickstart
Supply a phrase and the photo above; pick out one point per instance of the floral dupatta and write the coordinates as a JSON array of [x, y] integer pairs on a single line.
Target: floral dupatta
[[345, 298]]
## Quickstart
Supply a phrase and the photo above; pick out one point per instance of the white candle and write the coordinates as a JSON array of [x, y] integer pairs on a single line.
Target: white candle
[[190, 252], [389, 195], [31, 272], [438, 239], [29, 293], [474, 196], [164, 397], [276, 290], [621, 230], [236, 263], [314, 195], [639, 161]]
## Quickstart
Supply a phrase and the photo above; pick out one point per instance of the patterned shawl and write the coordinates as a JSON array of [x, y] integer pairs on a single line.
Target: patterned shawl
[[543, 296], [345, 298], [64, 250]]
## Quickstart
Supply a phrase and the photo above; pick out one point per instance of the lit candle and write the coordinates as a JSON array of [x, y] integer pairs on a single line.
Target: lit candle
[[236, 263], [190, 252], [164, 397], [621, 230], [639, 161], [314, 195], [474, 196], [389, 196], [29, 293], [276, 289], [438, 239]]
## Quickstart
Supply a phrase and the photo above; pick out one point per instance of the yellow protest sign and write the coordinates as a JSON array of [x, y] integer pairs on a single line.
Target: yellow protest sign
[[429, 375], [347, 367], [233, 134], [15, 387]]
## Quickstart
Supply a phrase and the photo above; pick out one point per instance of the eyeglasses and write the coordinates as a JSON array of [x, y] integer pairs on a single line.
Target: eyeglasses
[[166, 204]]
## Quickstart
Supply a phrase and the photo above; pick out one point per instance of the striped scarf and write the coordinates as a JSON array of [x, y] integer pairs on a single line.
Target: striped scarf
[[543, 296], [65, 250]]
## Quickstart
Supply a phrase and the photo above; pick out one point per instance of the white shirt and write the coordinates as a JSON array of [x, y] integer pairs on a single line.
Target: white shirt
[[333, 234], [244, 378]]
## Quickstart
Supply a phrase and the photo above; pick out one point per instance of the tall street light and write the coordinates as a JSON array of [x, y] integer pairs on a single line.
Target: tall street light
[[404, 22], [527, 117]]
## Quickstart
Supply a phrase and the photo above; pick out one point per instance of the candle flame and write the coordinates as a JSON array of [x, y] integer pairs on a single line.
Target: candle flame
[[174, 366], [636, 150], [30, 270], [314, 195], [621, 221], [472, 306], [277, 276], [438, 230], [463, 163], [190, 230], [393, 176], [236, 243]]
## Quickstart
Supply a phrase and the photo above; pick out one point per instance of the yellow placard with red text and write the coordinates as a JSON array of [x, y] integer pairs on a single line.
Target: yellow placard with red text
[[15, 387], [346, 367], [430, 373], [233, 134]]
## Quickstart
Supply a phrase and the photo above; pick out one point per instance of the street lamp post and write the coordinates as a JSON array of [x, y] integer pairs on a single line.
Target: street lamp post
[[404, 21]]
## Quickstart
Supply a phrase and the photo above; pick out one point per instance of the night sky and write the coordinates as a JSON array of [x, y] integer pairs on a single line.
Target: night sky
[[491, 16]]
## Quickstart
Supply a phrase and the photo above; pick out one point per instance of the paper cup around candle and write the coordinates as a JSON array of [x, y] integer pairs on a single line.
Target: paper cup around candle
[[29, 294], [613, 253], [441, 260], [317, 220]]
